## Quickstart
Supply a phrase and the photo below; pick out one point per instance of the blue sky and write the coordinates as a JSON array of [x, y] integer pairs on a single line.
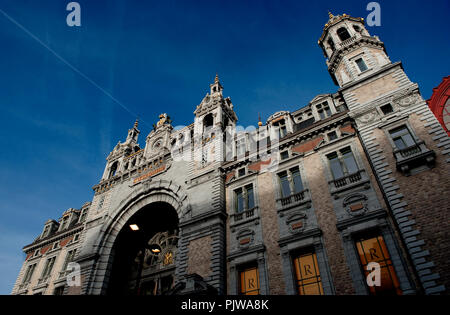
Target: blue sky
[[57, 127]]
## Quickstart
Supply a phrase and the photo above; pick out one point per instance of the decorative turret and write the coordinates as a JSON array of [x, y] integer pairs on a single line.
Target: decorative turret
[[115, 160], [350, 50], [158, 141]]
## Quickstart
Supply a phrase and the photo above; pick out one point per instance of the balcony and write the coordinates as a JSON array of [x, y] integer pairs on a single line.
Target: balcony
[[244, 216], [344, 181], [43, 280], [356, 179], [415, 157], [292, 199]]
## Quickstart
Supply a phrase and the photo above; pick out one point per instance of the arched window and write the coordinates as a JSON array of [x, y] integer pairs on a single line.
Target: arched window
[[208, 122], [113, 170], [331, 43], [343, 34]]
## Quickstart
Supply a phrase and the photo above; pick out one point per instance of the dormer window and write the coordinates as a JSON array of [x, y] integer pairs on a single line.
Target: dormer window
[[282, 130], [343, 34], [357, 28], [240, 147], [64, 223], [323, 110]]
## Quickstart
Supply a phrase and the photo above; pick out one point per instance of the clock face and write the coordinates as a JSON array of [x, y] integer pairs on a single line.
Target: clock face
[[157, 144], [446, 114]]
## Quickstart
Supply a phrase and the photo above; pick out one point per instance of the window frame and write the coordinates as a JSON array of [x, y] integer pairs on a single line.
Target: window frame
[[341, 160], [245, 195], [295, 256], [243, 269]]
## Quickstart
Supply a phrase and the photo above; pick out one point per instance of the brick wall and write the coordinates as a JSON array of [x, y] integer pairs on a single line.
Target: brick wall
[[199, 256], [326, 219], [427, 195], [271, 234]]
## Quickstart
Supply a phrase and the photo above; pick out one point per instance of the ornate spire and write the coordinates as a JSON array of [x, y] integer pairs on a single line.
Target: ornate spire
[[216, 80]]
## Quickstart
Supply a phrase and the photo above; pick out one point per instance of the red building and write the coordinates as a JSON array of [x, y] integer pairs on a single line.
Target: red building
[[439, 103]]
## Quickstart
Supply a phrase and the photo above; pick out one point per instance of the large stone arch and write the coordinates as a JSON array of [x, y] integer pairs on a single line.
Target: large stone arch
[[144, 194]]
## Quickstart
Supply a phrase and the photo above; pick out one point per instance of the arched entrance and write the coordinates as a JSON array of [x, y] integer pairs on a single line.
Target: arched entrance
[[144, 252]]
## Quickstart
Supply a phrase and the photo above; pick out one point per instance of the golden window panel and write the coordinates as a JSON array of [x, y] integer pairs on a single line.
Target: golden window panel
[[375, 250], [249, 281], [307, 274]]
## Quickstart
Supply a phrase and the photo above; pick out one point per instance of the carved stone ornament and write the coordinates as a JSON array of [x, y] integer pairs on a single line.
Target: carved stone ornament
[[407, 100], [368, 117]]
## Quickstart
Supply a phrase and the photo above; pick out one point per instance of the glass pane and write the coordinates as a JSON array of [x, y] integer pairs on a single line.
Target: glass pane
[[285, 188], [296, 178], [250, 198], [249, 284], [321, 114], [361, 64], [375, 250], [398, 132], [399, 143], [408, 140], [307, 274], [336, 167], [350, 162], [239, 201], [328, 111]]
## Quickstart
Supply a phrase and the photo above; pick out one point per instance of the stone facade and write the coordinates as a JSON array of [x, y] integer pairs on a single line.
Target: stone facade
[[201, 208]]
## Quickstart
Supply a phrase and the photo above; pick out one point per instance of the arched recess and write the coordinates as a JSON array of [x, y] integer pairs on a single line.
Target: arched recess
[[147, 194]]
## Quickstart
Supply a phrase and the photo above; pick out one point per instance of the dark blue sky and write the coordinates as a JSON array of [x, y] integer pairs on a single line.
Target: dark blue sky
[[160, 56]]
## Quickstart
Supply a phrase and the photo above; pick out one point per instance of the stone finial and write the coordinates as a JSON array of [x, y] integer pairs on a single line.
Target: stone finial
[[216, 80], [330, 15], [136, 123]]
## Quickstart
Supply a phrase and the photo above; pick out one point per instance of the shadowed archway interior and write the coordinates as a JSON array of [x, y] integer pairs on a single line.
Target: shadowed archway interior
[[138, 269]]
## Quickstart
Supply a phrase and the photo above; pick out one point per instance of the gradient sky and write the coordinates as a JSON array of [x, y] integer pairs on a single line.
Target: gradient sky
[[58, 124]]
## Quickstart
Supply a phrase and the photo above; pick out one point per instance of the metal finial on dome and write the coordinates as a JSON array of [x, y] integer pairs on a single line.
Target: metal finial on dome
[[259, 120]]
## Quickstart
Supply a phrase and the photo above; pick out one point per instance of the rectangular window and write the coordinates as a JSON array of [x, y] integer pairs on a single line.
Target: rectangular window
[[48, 267], [284, 155], [296, 180], [332, 136], [290, 182], [402, 138], [69, 258], [335, 166], [284, 184], [342, 163], [349, 160], [249, 281], [59, 290], [308, 280], [250, 197], [239, 200], [387, 109], [240, 147], [29, 273], [244, 198], [241, 172], [361, 64], [322, 114], [373, 249]]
